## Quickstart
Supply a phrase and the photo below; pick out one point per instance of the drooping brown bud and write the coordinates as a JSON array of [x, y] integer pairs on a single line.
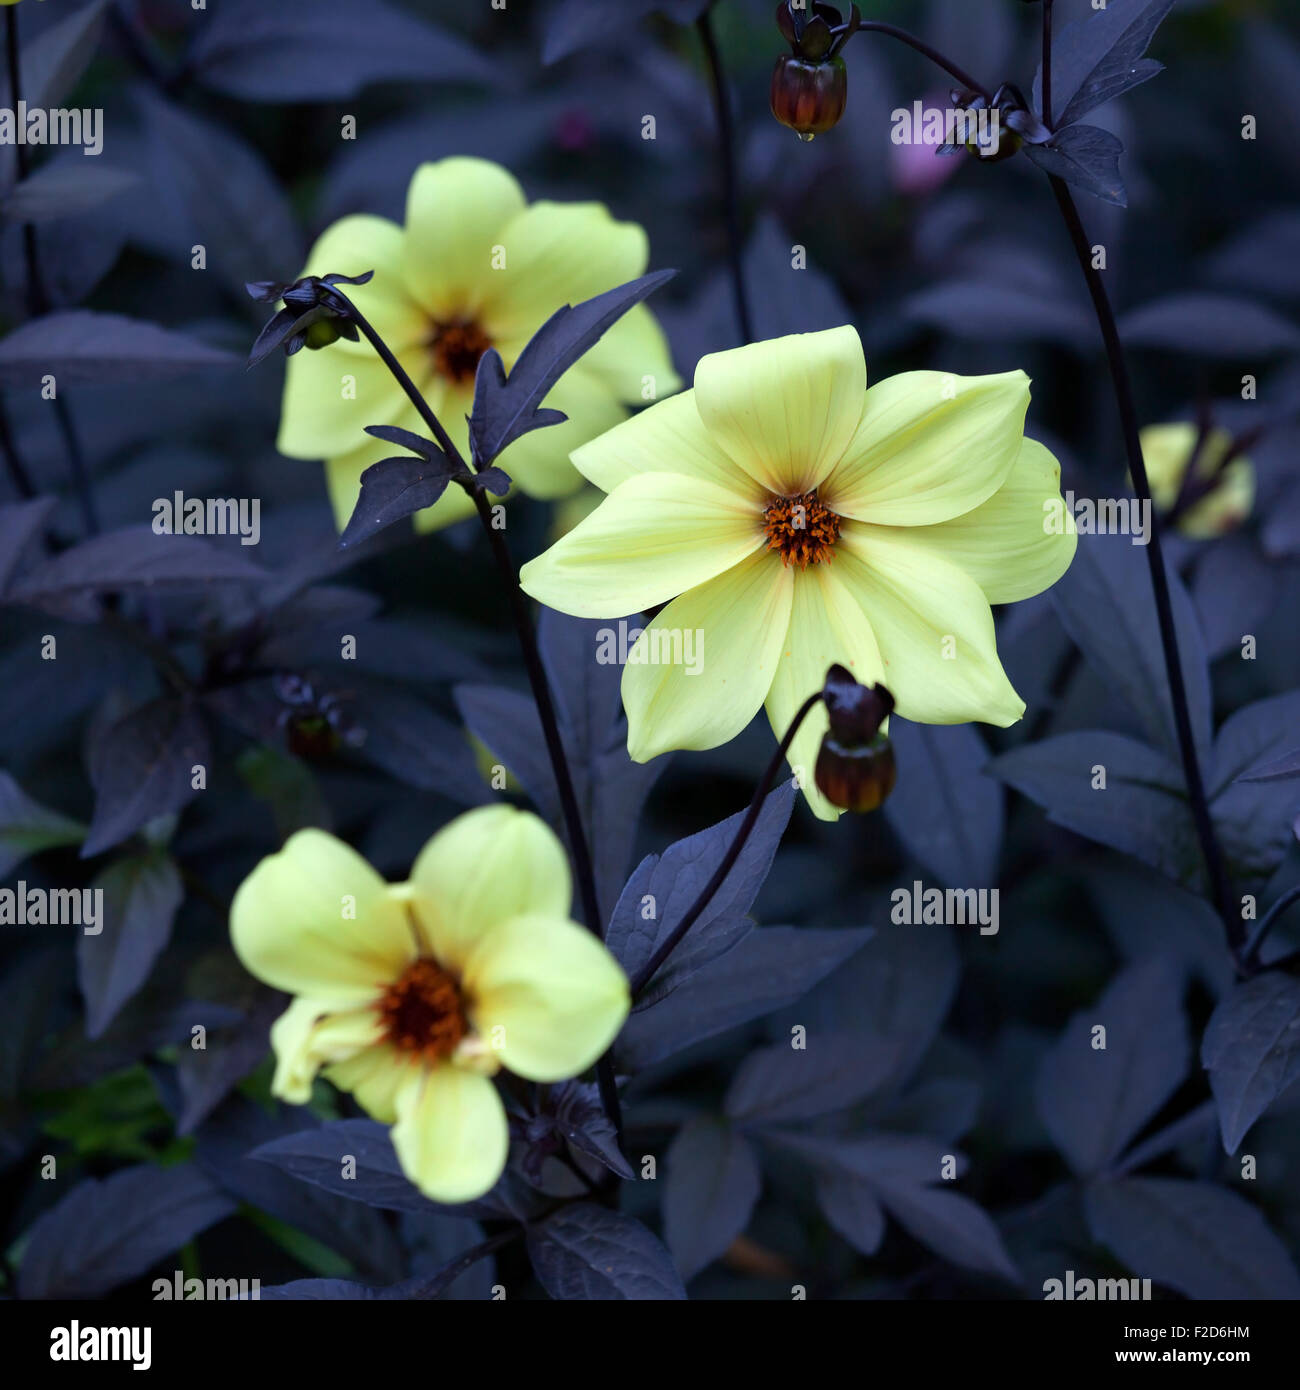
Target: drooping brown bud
[[855, 764], [809, 84], [808, 96]]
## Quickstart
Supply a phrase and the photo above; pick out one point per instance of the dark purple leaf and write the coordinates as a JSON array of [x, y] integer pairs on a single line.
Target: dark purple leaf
[[1095, 1099], [1087, 157], [1097, 57], [946, 811], [586, 1252], [21, 524], [1209, 325], [1204, 1241], [27, 827], [1141, 810], [712, 1184], [108, 1232], [394, 489], [76, 346], [64, 189], [1251, 1049], [778, 1084], [141, 896], [767, 969], [663, 888], [324, 51], [1106, 604], [144, 768]]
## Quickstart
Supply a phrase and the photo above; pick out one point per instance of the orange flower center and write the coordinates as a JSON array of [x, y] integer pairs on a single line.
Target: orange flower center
[[802, 529], [424, 1012], [457, 347]]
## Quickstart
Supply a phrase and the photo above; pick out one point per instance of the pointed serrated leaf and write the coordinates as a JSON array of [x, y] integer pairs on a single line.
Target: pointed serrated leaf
[[1087, 157], [506, 407]]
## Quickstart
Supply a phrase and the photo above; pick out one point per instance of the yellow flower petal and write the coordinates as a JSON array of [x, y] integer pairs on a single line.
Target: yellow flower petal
[[548, 998], [557, 254], [485, 867], [1167, 450], [650, 540], [734, 628], [930, 447], [317, 920], [351, 246], [451, 1136], [1019, 542], [827, 626], [307, 1036], [456, 213], [668, 438], [633, 358], [785, 409], [330, 397], [933, 627], [375, 1076]]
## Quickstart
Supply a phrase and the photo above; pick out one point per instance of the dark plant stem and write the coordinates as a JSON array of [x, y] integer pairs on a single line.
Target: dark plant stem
[[38, 302], [727, 160], [444, 1278], [1220, 887], [22, 480], [1250, 956], [875, 26], [536, 677], [671, 942], [1047, 63]]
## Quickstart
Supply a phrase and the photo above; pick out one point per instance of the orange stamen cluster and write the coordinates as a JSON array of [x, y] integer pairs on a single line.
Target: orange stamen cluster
[[457, 347], [802, 529], [423, 1011]]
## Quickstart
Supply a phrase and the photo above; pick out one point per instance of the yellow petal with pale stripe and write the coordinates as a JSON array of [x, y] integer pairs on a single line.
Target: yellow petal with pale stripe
[[375, 1076], [1019, 542], [457, 211], [330, 397], [784, 410], [732, 629], [557, 254], [451, 1136], [317, 920], [484, 867], [930, 446], [548, 998], [651, 539], [827, 627], [933, 627], [667, 438]]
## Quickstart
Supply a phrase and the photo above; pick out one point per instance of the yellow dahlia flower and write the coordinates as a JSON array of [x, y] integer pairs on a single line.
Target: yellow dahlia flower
[[1167, 450], [796, 519], [411, 996], [475, 266]]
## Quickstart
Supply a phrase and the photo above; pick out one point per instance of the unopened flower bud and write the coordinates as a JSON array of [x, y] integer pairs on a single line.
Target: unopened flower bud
[[810, 84], [809, 97], [312, 317], [856, 779], [855, 765]]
